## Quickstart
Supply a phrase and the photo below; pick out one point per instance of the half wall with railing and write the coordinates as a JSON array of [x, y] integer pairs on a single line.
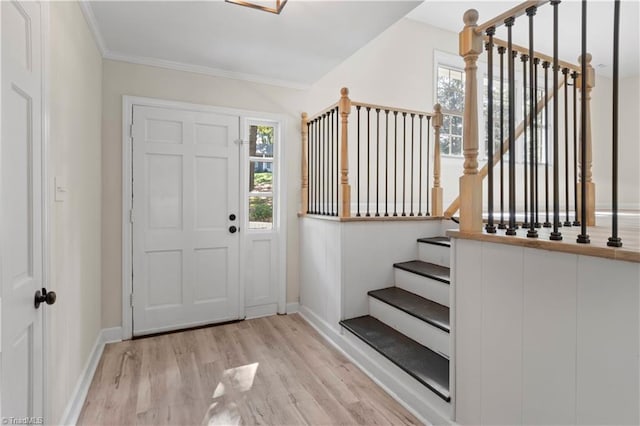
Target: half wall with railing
[[367, 161]]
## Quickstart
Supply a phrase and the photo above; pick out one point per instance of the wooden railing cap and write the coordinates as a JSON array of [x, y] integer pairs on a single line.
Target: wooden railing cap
[[470, 17]]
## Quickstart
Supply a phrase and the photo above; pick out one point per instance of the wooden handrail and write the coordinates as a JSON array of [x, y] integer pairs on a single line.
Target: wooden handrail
[[324, 111], [514, 12], [455, 205], [385, 108], [541, 56]]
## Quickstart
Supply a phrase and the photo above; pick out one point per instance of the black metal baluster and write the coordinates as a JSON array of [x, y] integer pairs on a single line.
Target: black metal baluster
[[331, 170], [323, 156], [404, 161], [368, 157], [337, 112], [556, 235], [386, 163], [547, 223], [307, 207], [583, 237], [395, 165], [536, 143], [511, 230], [501, 51], [411, 184], [427, 213], [311, 167], [317, 166], [420, 166], [490, 227], [614, 240], [532, 233], [358, 162], [377, 162], [565, 73], [525, 222], [574, 77]]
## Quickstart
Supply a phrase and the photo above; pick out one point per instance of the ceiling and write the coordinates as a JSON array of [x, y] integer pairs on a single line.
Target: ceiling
[[295, 48], [448, 15]]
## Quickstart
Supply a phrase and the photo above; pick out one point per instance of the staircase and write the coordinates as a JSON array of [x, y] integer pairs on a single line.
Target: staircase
[[408, 324]]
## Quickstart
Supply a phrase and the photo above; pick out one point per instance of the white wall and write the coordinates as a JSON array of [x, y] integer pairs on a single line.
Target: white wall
[[544, 337], [120, 79], [629, 179], [74, 322]]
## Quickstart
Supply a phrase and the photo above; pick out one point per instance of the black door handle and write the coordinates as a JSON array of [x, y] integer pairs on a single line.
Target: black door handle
[[48, 297], [233, 229], [232, 216]]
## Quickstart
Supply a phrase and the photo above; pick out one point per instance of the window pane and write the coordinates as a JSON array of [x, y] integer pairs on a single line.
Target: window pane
[[456, 125], [260, 176], [456, 145], [450, 89], [260, 213], [444, 144], [261, 140], [446, 123]]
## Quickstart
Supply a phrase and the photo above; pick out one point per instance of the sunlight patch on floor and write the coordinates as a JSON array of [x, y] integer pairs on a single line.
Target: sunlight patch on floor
[[235, 380]]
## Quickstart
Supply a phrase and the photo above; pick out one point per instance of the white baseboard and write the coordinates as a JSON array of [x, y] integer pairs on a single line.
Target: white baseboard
[[76, 401], [251, 312], [410, 395], [111, 335], [293, 307]]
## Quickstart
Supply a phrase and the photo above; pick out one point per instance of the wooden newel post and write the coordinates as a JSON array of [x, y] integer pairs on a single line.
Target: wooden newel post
[[591, 186], [471, 181], [304, 195], [344, 108], [436, 191]]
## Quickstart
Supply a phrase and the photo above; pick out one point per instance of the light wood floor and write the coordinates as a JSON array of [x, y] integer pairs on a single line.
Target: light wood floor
[[269, 371]]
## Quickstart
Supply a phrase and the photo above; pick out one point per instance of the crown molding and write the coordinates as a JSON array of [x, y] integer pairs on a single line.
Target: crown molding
[[199, 69], [87, 11]]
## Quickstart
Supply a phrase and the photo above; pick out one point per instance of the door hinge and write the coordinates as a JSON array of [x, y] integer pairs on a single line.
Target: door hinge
[[131, 299], [131, 130], [131, 216]]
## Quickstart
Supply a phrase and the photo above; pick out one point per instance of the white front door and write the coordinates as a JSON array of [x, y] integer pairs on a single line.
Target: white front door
[[185, 191], [21, 247]]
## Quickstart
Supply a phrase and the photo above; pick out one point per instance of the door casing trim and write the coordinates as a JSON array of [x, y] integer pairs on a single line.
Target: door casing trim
[[128, 103]]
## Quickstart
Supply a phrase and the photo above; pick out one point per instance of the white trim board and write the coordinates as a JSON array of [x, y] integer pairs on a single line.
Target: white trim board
[[76, 401], [128, 102], [201, 69], [393, 385], [87, 11], [293, 307]]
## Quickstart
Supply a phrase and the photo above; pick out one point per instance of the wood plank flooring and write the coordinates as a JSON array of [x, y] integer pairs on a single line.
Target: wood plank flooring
[[267, 371]]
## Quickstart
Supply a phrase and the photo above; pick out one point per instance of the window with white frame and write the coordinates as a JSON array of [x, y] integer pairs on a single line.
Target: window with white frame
[[450, 96], [261, 169]]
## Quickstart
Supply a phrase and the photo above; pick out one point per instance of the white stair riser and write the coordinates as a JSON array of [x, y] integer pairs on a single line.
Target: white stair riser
[[433, 253], [412, 327], [422, 286]]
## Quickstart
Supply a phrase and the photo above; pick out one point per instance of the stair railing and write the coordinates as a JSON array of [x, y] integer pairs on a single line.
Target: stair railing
[[580, 77], [386, 149]]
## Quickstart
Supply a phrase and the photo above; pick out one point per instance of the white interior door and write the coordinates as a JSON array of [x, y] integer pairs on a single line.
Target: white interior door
[[21, 220], [185, 187]]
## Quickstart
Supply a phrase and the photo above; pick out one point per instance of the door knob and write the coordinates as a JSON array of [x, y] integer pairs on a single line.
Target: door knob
[[232, 216], [233, 229], [44, 297]]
